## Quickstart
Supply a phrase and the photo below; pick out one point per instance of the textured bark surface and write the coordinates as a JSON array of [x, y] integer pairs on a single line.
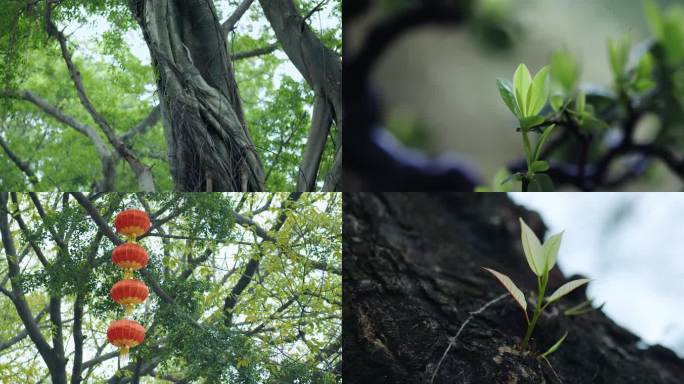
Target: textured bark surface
[[209, 146], [412, 277]]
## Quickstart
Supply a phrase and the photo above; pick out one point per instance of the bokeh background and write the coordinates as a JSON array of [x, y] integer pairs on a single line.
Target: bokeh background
[[631, 244], [438, 83]]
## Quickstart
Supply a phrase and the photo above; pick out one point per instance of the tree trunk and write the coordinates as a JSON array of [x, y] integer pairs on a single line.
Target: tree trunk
[[413, 280], [208, 142]]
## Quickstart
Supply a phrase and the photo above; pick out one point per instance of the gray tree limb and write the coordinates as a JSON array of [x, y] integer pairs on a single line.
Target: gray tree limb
[[256, 52], [145, 124], [232, 20], [320, 127], [319, 65]]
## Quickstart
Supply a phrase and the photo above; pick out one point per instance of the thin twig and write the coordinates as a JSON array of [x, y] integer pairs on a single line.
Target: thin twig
[[552, 370], [452, 340]]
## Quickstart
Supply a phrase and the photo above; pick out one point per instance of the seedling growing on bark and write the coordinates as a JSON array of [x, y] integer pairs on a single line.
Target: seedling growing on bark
[[541, 259], [525, 98]]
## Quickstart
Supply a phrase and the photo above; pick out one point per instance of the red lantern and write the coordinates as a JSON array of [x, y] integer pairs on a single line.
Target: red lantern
[[125, 334], [132, 223], [129, 257], [129, 292]]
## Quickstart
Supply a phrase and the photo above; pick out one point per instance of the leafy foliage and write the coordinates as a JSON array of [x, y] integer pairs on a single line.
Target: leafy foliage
[[285, 325], [580, 151], [120, 81]]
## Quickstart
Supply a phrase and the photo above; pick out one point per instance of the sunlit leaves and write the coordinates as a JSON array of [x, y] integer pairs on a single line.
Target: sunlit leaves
[[522, 81], [539, 92], [506, 92]]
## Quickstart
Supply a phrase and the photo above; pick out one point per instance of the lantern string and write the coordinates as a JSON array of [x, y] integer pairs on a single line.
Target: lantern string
[[128, 310], [128, 273], [123, 356]]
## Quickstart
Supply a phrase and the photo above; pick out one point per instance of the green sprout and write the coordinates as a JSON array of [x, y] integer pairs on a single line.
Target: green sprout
[[526, 98], [541, 258]]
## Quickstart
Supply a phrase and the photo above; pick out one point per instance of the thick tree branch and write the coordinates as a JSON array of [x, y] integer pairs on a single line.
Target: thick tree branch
[[256, 52], [142, 127], [233, 19], [333, 181], [320, 127], [318, 64]]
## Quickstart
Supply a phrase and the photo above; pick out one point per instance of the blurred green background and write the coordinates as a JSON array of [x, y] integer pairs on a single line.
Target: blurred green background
[[438, 83]]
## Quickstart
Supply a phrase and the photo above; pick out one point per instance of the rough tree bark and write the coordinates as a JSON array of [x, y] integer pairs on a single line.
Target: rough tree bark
[[413, 278], [209, 146]]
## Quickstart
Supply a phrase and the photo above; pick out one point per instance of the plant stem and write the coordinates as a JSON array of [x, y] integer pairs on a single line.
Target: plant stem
[[528, 157], [541, 284], [527, 148]]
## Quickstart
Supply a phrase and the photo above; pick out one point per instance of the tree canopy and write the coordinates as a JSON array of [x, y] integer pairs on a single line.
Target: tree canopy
[[244, 288], [80, 87]]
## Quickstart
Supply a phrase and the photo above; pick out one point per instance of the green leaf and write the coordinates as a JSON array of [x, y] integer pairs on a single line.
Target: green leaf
[[566, 288], [532, 249], [522, 81], [516, 176], [674, 40], [618, 52], [645, 67], [506, 92], [564, 69], [654, 18], [539, 92], [530, 121], [498, 184], [555, 346], [556, 102], [542, 139], [511, 287], [541, 182], [580, 102], [550, 250], [539, 166]]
